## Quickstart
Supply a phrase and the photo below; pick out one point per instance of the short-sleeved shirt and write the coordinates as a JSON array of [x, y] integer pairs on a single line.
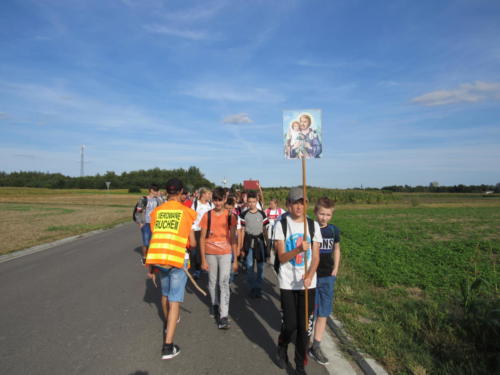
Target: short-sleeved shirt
[[253, 222], [273, 215], [201, 209], [219, 239], [292, 272], [153, 202], [331, 236]]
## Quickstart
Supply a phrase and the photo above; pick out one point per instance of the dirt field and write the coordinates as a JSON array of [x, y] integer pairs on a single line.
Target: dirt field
[[34, 216]]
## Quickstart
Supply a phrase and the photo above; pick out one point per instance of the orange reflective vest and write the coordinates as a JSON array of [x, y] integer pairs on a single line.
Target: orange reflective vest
[[170, 227]]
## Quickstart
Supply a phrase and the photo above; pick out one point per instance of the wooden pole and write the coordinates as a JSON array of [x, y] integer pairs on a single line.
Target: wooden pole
[[304, 187]]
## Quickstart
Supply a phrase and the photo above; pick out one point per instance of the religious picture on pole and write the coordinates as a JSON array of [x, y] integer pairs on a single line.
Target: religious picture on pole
[[302, 134]]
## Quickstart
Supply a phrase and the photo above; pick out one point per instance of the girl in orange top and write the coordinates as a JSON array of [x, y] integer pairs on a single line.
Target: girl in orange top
[[218, 246]]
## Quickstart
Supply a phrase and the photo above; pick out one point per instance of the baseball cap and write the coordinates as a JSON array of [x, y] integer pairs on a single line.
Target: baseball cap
[[295, 194], [174, 186]]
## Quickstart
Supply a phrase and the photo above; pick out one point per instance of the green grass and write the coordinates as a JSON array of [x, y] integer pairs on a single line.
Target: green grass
[[408, 290]]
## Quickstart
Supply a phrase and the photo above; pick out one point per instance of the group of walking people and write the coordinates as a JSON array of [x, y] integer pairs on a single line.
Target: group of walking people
[[223, 233]]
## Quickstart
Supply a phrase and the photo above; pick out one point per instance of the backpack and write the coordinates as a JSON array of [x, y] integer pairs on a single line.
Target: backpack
[[209, 221], [310, 225], [143, 203]]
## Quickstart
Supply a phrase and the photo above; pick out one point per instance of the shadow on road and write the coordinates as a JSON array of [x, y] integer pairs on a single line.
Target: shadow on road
[[138, 250], [248, 313]]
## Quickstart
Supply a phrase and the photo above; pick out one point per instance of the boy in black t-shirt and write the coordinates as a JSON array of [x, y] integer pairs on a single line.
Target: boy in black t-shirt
[[329, 260]]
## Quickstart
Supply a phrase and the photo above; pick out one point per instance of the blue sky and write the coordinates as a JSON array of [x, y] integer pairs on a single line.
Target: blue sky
[[409, 90]]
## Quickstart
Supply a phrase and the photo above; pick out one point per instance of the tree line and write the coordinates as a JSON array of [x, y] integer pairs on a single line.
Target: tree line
[[134, 181]]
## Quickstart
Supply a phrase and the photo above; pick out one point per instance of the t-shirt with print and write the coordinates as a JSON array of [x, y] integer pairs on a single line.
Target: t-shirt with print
[[219, 239], [292, 272], [331, 236], [201, 209]]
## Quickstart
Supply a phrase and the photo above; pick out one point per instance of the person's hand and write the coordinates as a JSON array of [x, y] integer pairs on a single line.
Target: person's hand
[[307, 281], [204, 266], [302, 246], [141, 225], [334, 272], [235, 266]]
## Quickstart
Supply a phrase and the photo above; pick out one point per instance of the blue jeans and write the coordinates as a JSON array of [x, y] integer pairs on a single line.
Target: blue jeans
[[146, 234], [254, 281]]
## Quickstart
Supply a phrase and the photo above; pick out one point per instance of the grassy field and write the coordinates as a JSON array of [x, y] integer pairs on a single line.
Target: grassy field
[[418, 285], [31, 216], [418, 288]]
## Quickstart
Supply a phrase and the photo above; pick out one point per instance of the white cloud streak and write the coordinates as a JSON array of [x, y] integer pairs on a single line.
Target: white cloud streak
[[185, 34], [239, 118], [466, 92]]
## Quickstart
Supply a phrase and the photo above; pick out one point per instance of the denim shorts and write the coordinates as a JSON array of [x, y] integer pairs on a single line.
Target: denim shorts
[[173, 283], [324, 295], [146, 234]]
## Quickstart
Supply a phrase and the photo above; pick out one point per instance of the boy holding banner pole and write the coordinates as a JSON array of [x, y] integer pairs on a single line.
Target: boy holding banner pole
[[293, 250], [297, 241]]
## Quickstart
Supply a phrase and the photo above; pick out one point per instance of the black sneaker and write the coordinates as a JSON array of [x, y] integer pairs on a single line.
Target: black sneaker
[[223, 323], [214, 311], [318, 355], [169, 351], [282, 356]]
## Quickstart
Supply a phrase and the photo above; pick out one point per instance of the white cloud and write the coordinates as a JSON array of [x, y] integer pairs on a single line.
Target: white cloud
[[239, 118], [466, 92], [185, 34]]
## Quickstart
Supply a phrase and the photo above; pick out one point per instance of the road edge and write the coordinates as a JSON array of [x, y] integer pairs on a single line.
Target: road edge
[[367, 365], [45, 246]]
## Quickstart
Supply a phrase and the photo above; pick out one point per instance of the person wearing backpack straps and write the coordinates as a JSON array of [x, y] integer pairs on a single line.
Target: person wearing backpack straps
[[291, 249], [142, 216], [201, 205], [253, 223], [218, 255]]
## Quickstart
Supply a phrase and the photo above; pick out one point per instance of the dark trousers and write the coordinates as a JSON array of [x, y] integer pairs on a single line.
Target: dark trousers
[[293, 321], [195, 253]]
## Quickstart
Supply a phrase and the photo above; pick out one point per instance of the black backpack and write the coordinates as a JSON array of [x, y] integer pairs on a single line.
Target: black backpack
[[144, 203], [284, 227], [209, 221]]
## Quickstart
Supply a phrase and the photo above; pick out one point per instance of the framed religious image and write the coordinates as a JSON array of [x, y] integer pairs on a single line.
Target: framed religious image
[[302, 134]]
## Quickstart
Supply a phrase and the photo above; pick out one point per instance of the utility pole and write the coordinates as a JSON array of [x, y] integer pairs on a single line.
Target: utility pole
[[82, 148]]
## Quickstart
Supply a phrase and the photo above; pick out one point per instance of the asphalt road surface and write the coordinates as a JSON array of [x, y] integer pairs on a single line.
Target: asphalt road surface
[[86, 307]]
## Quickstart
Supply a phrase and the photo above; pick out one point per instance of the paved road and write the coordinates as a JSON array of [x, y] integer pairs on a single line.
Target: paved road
[[85, 307]]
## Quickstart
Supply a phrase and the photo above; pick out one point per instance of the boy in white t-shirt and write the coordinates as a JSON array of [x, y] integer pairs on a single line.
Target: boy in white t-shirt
[[201, 205], [291, 250]]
